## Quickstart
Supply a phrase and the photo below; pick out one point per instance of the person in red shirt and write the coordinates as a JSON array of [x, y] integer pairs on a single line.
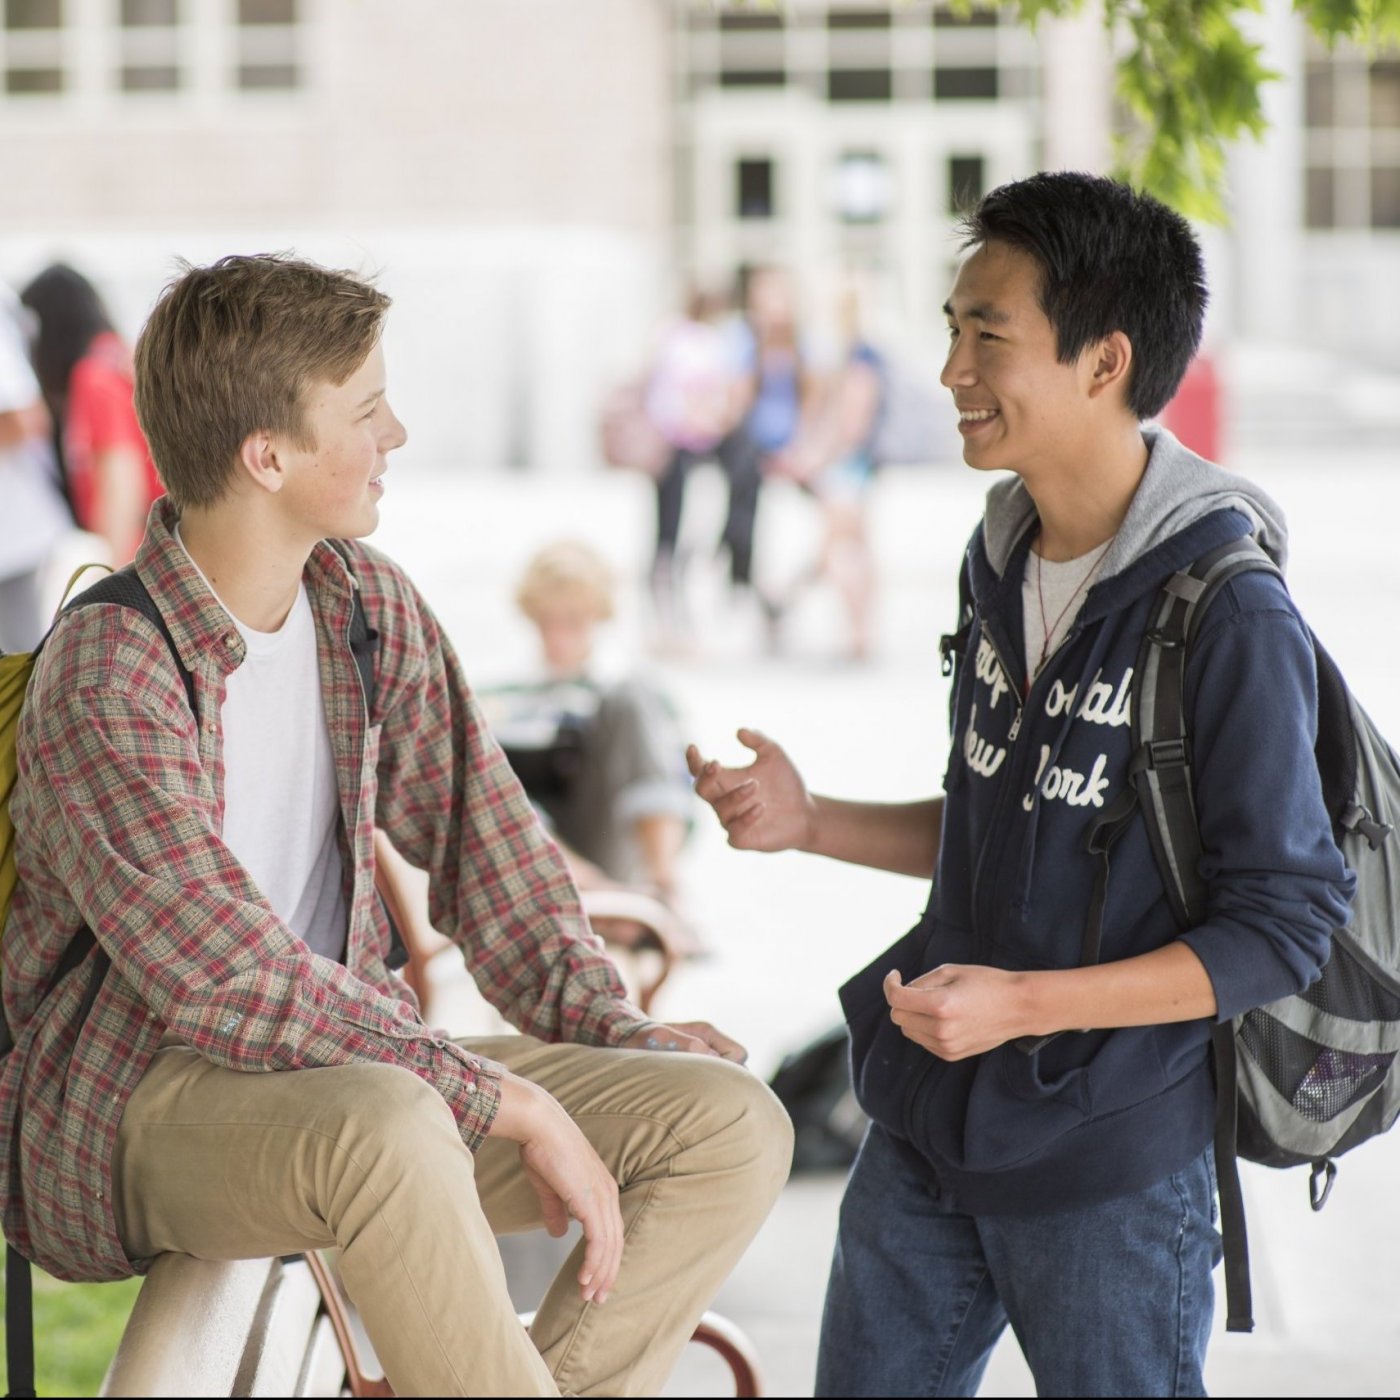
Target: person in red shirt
[[84, 369]]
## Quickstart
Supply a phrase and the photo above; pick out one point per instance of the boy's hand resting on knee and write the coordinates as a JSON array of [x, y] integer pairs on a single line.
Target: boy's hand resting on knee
[[568, 1176], [764, 807], [691, 1037]]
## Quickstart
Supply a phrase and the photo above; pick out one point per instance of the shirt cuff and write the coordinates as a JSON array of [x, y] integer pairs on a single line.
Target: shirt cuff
[[475, 1097], [613, 1025]]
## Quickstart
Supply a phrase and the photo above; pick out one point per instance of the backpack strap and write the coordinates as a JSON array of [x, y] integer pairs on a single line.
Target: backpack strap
[[1162, 785], [19, 1323], [364, 644], [124, 589], [364, 640], [952, 646]]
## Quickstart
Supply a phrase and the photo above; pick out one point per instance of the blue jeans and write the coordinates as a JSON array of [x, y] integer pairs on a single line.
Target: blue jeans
[[1113, 1299]]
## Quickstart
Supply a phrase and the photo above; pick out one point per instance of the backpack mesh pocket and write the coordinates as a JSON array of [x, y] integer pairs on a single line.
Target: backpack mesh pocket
[[1349, 989], [1318, 1081]]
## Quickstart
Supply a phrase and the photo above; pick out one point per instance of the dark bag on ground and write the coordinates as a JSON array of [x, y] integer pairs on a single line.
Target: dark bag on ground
[[814, 1085]]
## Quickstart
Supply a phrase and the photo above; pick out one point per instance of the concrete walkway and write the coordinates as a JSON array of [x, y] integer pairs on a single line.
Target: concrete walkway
[[786, 930]]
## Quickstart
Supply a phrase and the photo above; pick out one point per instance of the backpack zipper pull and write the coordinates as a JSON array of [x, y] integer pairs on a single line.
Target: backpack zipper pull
[[1358, 820]]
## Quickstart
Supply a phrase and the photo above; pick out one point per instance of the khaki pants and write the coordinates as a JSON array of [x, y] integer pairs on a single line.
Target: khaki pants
[[223, 1165]]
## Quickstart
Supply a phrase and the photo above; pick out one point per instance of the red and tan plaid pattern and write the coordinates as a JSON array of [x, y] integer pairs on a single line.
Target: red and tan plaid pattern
[[118, 811]]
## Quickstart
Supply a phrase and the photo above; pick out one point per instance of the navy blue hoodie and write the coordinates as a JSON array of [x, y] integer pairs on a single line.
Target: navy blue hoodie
[[1097, 1114]]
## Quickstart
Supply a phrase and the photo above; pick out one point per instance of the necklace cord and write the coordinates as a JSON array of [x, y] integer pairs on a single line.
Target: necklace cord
[[1050, 629]]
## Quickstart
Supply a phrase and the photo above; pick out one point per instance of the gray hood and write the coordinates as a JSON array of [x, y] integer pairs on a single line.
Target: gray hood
[[1177, 489]]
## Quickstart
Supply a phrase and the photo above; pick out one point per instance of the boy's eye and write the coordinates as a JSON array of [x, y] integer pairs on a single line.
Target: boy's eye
[[987, 335], [952, 332]]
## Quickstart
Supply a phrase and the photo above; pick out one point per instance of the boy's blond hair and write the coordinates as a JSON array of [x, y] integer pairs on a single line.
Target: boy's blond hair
[[567, 569], [231, 349]]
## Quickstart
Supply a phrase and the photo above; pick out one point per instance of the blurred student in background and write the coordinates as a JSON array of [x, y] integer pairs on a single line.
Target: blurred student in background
[[603, 760], [833, 456], [694, 397], [757, 378], [33, 515], [84, 369]]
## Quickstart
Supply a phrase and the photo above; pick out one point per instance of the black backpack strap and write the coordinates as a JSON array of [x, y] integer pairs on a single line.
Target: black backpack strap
[[19, 1323], [952, 646], [364, 640], [1162, 781], [125, 589], [364, 645]]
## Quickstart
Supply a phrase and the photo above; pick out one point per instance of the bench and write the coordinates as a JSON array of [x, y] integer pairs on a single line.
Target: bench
[[281, 1327]]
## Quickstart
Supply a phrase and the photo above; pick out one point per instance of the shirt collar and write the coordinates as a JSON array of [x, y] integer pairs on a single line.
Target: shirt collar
[[198, 623]]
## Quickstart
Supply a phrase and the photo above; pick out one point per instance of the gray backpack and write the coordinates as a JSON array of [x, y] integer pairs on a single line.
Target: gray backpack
[[1304, 1079]]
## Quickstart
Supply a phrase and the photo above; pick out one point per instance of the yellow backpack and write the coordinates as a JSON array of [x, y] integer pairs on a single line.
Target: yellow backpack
[[15, 671]]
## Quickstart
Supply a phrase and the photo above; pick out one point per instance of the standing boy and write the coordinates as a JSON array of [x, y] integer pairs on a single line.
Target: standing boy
[[247, 1079], [1021, 1168]]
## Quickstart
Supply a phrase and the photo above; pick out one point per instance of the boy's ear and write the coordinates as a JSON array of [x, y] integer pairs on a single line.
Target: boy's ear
[[257, 458], [1112, 364]]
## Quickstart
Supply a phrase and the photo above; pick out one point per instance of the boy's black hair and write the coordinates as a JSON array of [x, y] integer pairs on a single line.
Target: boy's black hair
[[1111, 259]]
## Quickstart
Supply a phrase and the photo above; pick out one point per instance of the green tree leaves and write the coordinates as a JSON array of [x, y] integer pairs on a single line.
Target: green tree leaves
[[1190, 81]]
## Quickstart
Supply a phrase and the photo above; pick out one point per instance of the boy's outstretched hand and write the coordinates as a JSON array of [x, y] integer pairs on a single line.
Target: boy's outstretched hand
[[764, 807]]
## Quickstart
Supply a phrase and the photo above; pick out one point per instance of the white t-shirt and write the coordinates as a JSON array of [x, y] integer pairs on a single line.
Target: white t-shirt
[[281, 804], [34, 516], [1051, 598]]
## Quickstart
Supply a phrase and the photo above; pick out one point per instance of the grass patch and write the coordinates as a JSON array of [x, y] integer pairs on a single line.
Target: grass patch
[[76, 1330]]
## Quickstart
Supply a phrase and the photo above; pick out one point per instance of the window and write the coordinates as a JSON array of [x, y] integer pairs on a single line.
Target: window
[[267, 47], [858, 19], [859, 85], [862, 189], [34, 56], [847, 52], [1385, 196], [752, 77], [753, 188], [751, 52], [1352, 111], [945, 17], [137, 14], [149, 46], [964, 84], [731, 23], [967, 182], [33, 14], [267, 11], [24, 81]]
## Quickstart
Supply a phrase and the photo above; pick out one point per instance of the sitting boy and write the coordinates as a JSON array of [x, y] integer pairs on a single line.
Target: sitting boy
[[247, 1078]]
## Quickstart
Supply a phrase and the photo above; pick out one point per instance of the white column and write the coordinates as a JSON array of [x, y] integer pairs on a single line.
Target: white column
[[1078, 91], [1266, 188]]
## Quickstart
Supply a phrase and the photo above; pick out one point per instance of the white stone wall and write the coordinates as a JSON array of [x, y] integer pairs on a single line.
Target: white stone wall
[[505, 165]]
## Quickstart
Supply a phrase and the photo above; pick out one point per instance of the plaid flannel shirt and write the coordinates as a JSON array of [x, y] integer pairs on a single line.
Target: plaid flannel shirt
[[118, 813]]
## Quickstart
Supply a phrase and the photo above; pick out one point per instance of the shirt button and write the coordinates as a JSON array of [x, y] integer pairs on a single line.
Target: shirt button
[[99, 1195], [230, 640]]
